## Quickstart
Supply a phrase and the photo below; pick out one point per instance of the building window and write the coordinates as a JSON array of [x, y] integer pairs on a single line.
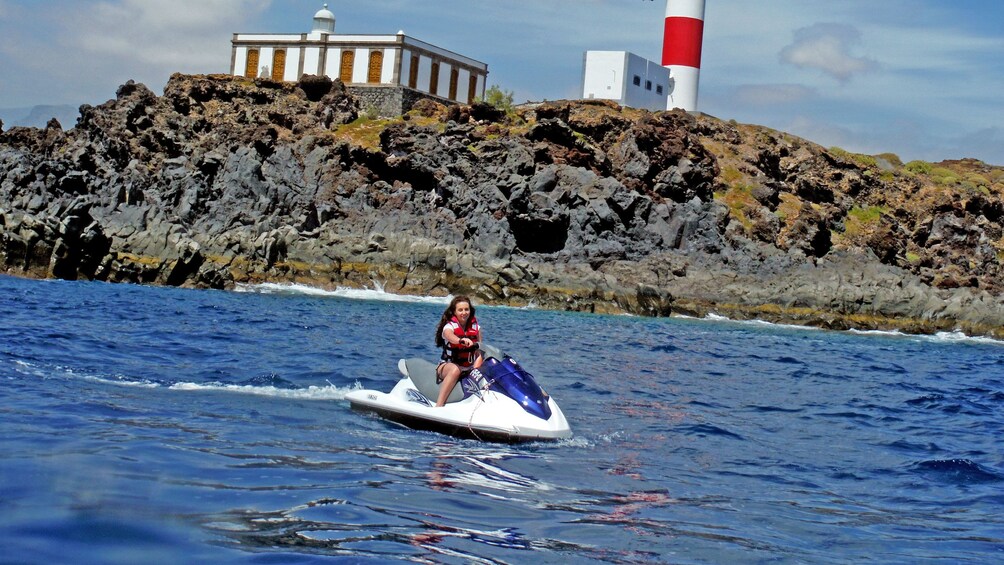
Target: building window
[[413, 72], [637, 80], [454, 79], [648, 85], [434, 79], [251, 67], [278, 65], [376, 67], [348, 60], [472, 88], [658, 89]]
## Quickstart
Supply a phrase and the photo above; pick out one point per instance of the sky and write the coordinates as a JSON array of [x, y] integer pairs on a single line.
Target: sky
[[919, 78]]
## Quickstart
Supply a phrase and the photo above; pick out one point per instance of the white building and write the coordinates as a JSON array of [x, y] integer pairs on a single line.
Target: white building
[[627, 79], [359, 61]]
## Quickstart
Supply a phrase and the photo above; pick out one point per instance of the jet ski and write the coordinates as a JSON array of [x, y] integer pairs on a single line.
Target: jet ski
[[500, 402]]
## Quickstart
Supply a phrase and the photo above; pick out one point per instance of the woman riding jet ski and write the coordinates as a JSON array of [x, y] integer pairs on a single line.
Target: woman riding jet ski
[[499, 401]]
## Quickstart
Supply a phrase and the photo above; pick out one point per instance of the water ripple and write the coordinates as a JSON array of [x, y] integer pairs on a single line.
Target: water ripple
[[957, 471]]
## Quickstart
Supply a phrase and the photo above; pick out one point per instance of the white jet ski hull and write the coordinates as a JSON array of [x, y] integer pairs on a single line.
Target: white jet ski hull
[[484, 415]]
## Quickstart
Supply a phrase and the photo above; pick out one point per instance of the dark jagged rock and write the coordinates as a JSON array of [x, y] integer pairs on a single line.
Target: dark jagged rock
[[576, 205]]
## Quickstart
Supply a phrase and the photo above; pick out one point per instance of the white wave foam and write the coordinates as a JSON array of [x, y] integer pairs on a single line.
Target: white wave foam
[[529, 306], [786, 326], [576, 441], [121, 381], [959, 337], [712, 317], [330, 392], [377, 293], [890, 333], [955, 336]]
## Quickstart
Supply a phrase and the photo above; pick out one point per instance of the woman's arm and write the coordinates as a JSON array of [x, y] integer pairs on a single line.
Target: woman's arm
[[449, 336]]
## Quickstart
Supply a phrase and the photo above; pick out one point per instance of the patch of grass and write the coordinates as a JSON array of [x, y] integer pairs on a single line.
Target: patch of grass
[[856, 158], [977, 179], [716, 148], [862, 220], [892, 158], [738, 198], [869, 214], [912, 258], [731, 175], [972, 188], [789, 208], [364, 132], [944, 177], [919, 167]]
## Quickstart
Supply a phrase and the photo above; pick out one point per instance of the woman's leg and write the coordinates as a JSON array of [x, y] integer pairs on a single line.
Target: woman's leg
[[450, 373]]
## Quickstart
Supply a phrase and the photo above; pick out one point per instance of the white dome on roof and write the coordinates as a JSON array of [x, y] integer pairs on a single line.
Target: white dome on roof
[[324, 20]]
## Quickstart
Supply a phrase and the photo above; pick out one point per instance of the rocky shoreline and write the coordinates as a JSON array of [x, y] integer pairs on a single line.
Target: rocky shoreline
[[566, 205]]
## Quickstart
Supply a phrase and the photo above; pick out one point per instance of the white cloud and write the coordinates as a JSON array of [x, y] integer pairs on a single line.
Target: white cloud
[[826, 47], [69, 52], [170, 35]]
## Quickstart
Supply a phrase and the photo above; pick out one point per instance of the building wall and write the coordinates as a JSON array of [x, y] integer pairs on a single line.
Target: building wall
[[331, 59], [321, 54], [603, 75], [311, 59], [626, 78], [292, 69], [389, 100], [361, 65], [652, 88]]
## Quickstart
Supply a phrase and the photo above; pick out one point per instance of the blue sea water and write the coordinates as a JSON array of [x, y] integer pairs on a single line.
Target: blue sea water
[[142, 424]]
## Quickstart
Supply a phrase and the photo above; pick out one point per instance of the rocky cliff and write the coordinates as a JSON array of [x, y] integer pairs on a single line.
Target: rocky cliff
[[575, 205]]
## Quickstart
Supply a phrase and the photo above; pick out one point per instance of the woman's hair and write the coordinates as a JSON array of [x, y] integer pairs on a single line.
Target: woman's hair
[[449, 313]]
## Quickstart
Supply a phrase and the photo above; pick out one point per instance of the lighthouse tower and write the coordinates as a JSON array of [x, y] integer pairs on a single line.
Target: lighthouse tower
[[681, 51]]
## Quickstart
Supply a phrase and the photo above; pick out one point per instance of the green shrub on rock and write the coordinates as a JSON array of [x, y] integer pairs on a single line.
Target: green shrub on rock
[[919, 167]]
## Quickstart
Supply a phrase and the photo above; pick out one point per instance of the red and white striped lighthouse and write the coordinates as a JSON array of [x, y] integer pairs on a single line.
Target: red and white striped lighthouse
[[681, 51]]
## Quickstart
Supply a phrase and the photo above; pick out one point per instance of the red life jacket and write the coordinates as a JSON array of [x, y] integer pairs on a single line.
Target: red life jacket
[[463, 356]]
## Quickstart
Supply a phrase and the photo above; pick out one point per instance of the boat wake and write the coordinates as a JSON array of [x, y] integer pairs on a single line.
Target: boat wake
[[329, 392]]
